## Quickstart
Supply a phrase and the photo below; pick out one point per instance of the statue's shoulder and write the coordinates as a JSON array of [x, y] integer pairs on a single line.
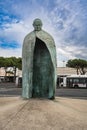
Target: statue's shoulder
[[46, 35], [29, 36]]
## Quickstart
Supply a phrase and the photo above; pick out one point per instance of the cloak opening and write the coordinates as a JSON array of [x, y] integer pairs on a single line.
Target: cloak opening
[[43, 71]]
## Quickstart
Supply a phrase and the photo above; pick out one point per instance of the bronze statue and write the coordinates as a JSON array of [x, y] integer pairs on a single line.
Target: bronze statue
[[38, 64]]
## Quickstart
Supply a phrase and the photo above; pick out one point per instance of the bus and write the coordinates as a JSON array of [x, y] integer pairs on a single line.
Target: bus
[[73, 81], [77, 81]]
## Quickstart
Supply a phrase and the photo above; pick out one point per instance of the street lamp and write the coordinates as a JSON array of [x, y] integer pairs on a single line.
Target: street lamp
[[63, 63]]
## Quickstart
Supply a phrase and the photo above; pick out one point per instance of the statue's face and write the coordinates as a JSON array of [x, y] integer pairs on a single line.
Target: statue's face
[[37, 27], [37, 24]]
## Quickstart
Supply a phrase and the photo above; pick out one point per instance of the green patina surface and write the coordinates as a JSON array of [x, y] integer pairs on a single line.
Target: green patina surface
[[42, 70], [38, 65]]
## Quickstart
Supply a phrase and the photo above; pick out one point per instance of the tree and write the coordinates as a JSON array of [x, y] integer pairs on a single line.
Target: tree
[[15, 63], [19, 63], [79, 64], [11, 62], [3, 63]]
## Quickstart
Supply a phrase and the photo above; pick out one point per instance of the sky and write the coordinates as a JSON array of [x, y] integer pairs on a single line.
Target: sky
[[65, 20]]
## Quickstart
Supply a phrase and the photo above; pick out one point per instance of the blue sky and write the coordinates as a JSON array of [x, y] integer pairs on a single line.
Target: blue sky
[[65, 20]]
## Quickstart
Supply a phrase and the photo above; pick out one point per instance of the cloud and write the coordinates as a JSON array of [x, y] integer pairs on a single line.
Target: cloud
[[14, 31], [70, 18], [65, 20], [10, 52], [74, 31]]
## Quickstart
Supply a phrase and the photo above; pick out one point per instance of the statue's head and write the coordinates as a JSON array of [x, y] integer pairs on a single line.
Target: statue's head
[[37, 24]]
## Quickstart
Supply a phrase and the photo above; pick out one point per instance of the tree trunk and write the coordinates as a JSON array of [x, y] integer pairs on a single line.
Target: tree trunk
[[77, 71], [83, 71]]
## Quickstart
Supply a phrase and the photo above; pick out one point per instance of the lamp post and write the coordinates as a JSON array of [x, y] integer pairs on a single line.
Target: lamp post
[[63, 63]]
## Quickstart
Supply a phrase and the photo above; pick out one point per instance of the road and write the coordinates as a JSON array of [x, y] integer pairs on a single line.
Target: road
[[9, 89], [72, 93]]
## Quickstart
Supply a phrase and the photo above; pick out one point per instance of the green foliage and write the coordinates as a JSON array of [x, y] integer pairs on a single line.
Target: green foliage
[[2, 62], [19, 63], [11, 62], [79, 64]]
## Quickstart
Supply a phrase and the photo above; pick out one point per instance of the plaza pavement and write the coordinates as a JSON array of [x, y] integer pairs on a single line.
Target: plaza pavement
[[42, 114]]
